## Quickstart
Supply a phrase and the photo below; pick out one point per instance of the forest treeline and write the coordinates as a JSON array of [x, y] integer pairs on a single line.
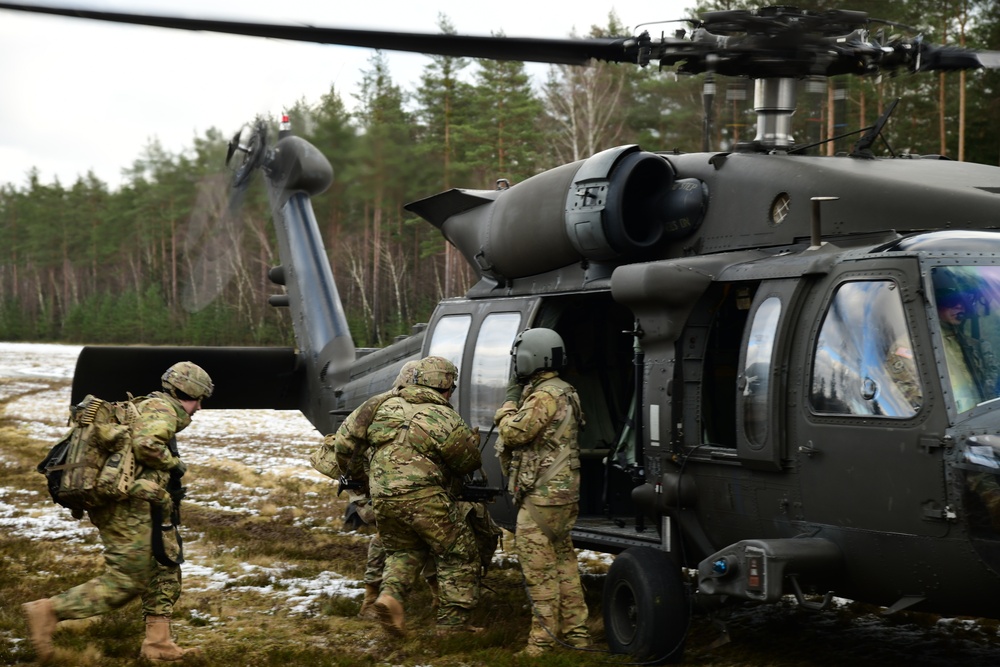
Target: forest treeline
[[168, 258]]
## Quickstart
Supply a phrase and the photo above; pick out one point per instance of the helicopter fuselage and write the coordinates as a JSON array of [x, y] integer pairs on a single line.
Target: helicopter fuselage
[[765, 376]]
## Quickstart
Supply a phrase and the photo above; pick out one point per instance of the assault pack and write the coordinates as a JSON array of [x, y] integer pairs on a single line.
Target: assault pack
[[94, 463]]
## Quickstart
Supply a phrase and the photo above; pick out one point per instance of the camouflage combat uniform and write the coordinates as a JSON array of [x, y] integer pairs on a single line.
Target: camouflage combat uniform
[[540, 435], [421, 449], [125, 527], [350, 444]]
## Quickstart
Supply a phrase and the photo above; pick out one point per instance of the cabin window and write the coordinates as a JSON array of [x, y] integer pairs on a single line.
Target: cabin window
[[757, 370], [491, 366], [448, 341], [966, 299], [864, 363]]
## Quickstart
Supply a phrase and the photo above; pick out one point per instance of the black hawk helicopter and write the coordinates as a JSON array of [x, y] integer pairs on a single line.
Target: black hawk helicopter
[[787, 361]]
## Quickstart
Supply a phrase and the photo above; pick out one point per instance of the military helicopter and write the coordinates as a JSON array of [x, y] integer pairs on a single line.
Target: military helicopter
[[786, 361]]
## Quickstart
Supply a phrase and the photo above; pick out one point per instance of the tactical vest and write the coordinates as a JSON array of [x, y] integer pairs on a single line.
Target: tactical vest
[[537, 465]]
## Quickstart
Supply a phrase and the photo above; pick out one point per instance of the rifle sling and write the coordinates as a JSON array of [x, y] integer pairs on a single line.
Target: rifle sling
[[159, 552]]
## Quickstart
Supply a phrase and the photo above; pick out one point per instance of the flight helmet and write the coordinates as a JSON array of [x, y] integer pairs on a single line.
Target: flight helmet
[[435, 372], [537, 349], [187, 380]]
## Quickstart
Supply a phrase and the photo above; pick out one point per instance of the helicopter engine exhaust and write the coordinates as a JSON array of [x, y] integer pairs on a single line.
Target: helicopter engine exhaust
[[619, 205]]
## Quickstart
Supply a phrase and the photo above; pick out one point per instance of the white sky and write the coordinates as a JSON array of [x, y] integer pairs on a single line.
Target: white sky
[[79, 95]]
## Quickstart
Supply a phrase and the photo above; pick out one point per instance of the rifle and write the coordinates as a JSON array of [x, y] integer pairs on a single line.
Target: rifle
[[345, 483], [479, 491], [177, 494]]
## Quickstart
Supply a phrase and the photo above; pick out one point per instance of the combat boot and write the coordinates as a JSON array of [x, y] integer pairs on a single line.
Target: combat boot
[[158, 646], [368, 604], [579, 641], [390, 615], [42, 622]]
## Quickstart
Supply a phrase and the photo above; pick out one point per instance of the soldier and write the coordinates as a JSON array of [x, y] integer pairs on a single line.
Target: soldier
[[420, 450], [350, 445], [132, 565], [538, 427]]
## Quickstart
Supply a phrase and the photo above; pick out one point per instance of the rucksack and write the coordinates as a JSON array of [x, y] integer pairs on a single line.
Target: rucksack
[[94, 463]]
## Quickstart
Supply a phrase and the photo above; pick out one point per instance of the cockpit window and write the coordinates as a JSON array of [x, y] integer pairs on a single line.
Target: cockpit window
[[966, 299], [864, 362], [980, 470]]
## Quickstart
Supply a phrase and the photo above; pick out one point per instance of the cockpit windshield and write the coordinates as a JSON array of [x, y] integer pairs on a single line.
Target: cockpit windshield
[[967, 301]]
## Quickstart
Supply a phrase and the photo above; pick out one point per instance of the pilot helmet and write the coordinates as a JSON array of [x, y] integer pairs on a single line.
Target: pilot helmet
[[435, 372], [950, 290], [537, 349], [187, 380]]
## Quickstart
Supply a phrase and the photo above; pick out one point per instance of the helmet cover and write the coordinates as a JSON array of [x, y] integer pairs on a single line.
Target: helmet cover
[[189, 379]]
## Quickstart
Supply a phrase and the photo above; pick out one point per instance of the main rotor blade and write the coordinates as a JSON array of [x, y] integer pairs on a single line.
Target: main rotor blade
[[948, 58], [990, 59], [554, 51]]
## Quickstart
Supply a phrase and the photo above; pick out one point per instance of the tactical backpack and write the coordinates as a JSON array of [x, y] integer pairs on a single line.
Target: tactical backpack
[[94, 463]]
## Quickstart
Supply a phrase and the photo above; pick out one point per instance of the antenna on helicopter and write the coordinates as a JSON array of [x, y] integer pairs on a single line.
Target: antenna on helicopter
[[862, 147]]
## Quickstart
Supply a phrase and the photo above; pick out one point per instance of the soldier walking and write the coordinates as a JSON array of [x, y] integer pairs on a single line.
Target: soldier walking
[[538, 427], [347, 449], [420, 451], [132, 565]]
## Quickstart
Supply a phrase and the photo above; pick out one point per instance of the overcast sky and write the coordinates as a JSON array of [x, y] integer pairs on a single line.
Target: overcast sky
[[79, 95]]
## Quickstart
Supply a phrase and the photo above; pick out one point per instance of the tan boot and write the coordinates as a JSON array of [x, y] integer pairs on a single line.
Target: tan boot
[[158, 646], [390, 614], [42, 622], [368, 604]]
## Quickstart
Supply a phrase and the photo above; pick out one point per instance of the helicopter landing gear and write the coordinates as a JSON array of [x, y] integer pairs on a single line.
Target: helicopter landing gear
[[646, 606]]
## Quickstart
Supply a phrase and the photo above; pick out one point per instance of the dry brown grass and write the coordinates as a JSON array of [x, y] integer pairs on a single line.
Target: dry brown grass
[[257, 531], [262, 533]]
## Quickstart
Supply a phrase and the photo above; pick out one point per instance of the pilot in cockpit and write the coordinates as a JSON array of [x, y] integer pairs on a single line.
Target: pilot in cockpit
[[972, 365], [973, 371]]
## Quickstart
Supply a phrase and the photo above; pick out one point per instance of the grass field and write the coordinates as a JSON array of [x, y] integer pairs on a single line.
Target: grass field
[[273, 577]]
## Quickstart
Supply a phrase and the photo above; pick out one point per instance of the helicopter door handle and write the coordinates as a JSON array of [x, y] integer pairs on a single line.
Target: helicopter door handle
[[808, 449]]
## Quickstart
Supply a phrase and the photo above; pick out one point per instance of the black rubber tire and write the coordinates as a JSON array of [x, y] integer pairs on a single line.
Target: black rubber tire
[[646, 606]]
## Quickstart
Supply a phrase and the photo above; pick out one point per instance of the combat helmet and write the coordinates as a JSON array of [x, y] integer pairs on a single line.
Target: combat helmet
[[537, 349], [407, 374], [186, 379], [435, 372]]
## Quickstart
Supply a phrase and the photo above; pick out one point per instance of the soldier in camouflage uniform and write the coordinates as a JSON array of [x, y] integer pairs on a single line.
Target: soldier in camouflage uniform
[[130, 568], [420, 451], [350, 444], [538, 427]]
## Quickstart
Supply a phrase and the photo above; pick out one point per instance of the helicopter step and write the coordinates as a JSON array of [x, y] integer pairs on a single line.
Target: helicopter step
[[613, 535]]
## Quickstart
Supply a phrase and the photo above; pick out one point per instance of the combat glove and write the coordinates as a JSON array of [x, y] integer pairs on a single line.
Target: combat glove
[[514, 390]]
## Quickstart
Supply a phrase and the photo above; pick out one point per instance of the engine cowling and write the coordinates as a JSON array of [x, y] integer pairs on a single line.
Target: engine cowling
[[617, 206]]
